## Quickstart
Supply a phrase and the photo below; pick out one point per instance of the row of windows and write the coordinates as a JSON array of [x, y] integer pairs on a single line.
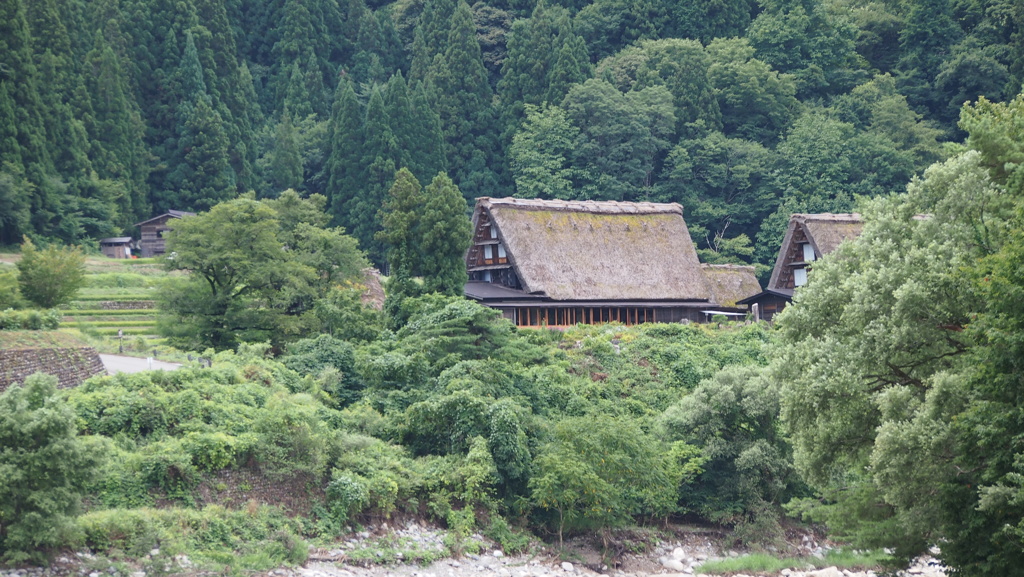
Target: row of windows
[[564, 316]]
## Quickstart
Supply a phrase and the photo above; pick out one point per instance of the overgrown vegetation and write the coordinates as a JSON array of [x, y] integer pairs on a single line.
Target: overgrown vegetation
[[457, 417]]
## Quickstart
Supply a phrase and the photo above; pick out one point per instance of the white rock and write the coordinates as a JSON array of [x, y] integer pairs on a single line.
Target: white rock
[[567, 566], [154, 552], [497, 553], [673, 564], [678, 554], [826, 572]]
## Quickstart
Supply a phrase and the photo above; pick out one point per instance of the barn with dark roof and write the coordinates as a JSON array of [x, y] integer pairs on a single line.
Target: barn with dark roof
[[152, 241], [556, 263]]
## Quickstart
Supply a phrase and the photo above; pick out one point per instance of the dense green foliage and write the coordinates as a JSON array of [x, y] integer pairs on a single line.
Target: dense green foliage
[[50, 277], [743, 111], [256, 270], [899, 364], [45, 468], [32, 320], [456, 416]]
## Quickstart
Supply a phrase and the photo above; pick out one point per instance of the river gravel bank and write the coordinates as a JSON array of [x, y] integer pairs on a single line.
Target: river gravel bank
[[355, 556]]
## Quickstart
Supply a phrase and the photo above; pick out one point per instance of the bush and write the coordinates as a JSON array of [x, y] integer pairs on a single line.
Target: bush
[[256, 539], [44, 467], [30, 320], [10, 295], [50, 277], [733, 417]]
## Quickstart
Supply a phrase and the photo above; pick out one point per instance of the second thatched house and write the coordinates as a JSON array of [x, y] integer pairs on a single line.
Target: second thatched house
[[808, 238], [556, 263]]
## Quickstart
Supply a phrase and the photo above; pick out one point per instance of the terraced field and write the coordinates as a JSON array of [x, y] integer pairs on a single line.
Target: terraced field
[[119, 295]]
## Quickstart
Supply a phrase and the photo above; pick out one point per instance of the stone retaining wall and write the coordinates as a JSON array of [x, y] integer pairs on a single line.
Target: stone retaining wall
[[71, 366], [126, 305]]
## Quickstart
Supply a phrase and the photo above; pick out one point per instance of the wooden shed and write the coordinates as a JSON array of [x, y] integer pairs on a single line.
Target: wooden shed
[[152, 242], [557, 263], [117, 247]]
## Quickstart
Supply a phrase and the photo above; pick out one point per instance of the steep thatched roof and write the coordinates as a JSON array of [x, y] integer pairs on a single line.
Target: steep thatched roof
[[587, 250], [730, 283], [827, 231], [824, 231]]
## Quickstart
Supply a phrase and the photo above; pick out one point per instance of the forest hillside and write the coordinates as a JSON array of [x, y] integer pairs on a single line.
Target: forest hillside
[[743, 111]]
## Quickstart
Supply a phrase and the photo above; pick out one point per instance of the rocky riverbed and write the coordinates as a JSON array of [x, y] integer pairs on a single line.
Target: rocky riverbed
[[364, 554]]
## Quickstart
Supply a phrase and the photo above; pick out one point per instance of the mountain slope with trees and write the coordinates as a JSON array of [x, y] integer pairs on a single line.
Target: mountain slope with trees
[[743, 111]]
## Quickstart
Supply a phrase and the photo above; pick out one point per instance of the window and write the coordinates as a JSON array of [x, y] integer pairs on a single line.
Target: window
[[799, 276], [494, 231], [502, 257], [808, 252], [488, 254]]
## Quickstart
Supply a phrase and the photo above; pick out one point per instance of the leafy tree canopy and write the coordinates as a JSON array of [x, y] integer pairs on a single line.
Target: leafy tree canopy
[[51, 276], [255, 269]]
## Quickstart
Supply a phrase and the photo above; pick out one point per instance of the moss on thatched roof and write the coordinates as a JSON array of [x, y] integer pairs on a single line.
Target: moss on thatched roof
[[730, 283], [587, 250]]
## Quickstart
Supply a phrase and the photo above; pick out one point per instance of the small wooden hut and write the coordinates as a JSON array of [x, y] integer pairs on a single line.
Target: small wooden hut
[[152, 242], [117, 247], [556, 263]]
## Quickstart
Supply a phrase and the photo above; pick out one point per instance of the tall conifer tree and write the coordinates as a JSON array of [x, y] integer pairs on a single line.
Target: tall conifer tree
[[428, 147], [431, 36], [285, 159], [444, 236], [23, 139], [117, 131], [571, 66], [380, 159], [463, 98], [345, 172]]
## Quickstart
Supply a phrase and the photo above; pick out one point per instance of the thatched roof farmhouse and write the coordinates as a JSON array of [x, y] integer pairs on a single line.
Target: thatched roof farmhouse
[[553, 262], [808, 238]]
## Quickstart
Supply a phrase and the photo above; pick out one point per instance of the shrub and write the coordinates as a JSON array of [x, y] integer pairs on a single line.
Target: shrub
[[10, 295], [211, 451], [44, 467], [31, 320], [256, 539], [599, 471], [52, 276], [733, 418]]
